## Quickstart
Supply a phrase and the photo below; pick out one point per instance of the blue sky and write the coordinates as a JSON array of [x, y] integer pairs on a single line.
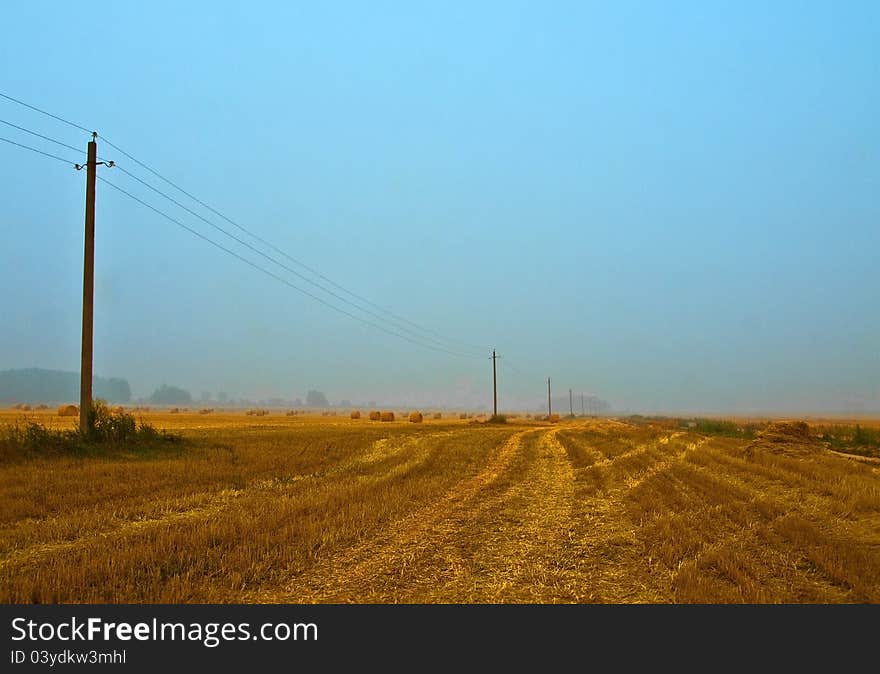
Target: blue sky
[[673, 206]]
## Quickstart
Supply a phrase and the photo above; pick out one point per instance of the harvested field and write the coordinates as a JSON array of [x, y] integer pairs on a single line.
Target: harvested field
[[326, 509]]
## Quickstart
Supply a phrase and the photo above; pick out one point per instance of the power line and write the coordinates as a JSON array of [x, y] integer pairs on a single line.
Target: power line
[[243, 259], [48, 114], [33, 149], [286, 255], [276, 276], [528, 372], [39, 135], [274, 261], [399, 319]]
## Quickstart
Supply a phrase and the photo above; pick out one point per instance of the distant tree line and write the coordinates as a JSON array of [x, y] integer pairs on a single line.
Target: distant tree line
[[34, 385], [170, 395], [316, 399], [174, 395]]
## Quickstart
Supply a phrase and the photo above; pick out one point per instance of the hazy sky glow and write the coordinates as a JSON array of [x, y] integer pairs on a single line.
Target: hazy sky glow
[[671, 205]]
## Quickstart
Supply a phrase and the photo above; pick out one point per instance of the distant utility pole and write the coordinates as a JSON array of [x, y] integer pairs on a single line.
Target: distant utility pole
[[549, 404], [88, 307], [583, 414], [570, 407], [494, 387]]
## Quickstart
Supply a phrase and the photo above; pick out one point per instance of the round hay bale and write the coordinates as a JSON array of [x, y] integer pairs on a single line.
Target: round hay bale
[[174, 410], [68, 411], [462, 415], [553, 418], [438, 415], [415, 417], [207, 410], [375, 415], [355, 414], [387, 416]]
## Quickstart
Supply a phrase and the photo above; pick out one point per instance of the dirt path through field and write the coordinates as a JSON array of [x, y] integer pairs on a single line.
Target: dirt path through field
[[501, 535], [524, 551], [362, 572]]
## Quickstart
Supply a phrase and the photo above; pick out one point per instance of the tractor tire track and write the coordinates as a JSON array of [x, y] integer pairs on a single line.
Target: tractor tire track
[[503, 535], [375, 569]]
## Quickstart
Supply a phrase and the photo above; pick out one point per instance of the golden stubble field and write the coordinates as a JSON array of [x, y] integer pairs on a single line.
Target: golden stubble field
[[329, 509]]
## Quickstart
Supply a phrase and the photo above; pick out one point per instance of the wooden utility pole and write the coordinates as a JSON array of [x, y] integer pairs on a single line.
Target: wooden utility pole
[[583, 413], [549, 403], [570, 407], [494, 388], [88, 307]]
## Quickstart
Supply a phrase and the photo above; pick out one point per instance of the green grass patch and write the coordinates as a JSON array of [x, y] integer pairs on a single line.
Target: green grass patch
[[729, 429], [851, 439], [108, 433]]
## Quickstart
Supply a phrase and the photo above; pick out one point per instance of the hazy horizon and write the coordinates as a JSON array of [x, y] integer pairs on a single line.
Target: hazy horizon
[[670, 206]]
